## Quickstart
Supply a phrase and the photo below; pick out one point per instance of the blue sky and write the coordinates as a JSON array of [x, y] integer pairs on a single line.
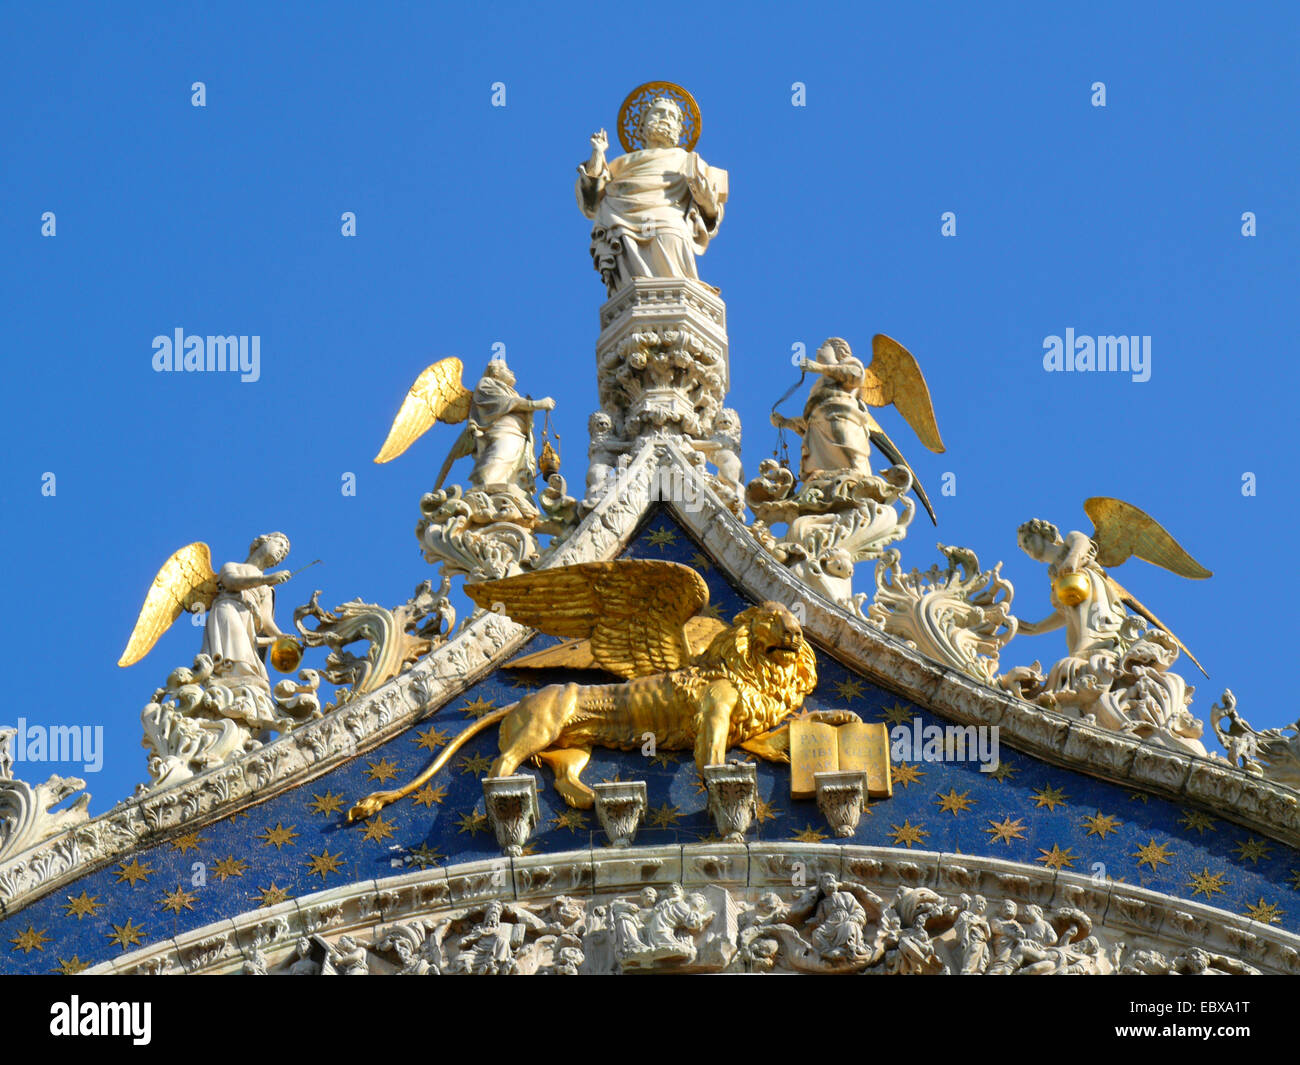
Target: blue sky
[[226, 219]]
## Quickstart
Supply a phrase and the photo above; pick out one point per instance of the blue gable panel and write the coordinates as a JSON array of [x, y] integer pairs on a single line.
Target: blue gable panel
[[296, 843]]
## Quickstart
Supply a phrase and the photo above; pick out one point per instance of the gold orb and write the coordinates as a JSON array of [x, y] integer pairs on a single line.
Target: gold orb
[[1072, 588], [286, 654]]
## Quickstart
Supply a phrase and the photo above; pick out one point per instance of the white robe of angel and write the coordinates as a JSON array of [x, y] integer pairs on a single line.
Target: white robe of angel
[[234, 621]]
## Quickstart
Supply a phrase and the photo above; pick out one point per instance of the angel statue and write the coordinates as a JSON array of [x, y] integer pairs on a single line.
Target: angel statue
[[837, 428], [225, 704], [842, 513], [239, 603], [488, 530], [654, 208], [1116, 666], [697, 683], [499, 429]]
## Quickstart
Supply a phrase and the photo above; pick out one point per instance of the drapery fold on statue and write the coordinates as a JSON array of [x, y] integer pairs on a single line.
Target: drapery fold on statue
[[653, 211]]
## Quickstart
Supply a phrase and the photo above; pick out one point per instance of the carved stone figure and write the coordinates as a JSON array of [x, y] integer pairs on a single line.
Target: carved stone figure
[[973, 933], [656, 207], [664, 934], [490, 948], [1272, 753], [737, 689], [602, 456], [837, 429], [722, 449], [346, 958], [224, 705], [1116, 669], [841, 512]]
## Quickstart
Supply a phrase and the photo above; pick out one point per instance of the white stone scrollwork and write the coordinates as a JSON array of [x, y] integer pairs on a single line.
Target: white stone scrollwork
[[960, 616], [1273, 753], [834, 520], [1129, 689], [199, 719], [27, 814], [397, 638], [479, 535]]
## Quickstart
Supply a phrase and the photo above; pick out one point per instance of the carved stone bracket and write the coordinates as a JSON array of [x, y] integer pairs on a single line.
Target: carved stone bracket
[[620, 808], [840, 797], [512, 810], [733, 797]]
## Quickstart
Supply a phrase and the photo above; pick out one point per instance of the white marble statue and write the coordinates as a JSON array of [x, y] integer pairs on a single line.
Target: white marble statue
[[837, 429], [654, 209], [241, 620], [1116, 669]]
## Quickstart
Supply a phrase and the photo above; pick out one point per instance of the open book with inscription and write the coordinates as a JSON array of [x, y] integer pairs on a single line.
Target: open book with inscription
[[816, 747]]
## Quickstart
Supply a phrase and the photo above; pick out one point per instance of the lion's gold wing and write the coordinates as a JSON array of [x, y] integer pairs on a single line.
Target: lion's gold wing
[[1133, 603], [1122, 530], [577, 654], [634, 611], [437, 396], [186, 581], [895, 377]]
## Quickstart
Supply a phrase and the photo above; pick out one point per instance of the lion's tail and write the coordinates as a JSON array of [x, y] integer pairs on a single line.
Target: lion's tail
[[376, 801]]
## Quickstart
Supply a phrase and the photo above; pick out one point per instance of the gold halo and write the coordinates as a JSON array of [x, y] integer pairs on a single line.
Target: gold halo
[[629, 115]]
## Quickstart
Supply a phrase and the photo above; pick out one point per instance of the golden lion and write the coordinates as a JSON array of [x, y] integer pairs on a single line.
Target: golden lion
[[637, 619]]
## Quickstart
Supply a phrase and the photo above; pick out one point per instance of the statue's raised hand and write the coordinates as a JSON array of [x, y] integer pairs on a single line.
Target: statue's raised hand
[[279, 577], [600, 141]]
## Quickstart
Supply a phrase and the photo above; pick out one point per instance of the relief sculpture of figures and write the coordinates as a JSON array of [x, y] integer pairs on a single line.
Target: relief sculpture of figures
[[1116, 669], [654, 208]]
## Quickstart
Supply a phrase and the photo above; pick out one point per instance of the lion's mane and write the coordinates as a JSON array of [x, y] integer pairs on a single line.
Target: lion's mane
[[769, 691]]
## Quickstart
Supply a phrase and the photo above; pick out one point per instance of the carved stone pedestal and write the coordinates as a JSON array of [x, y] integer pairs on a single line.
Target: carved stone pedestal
[[840, 799], [512, 810], [620, 808], [661, 358], [733, 798]]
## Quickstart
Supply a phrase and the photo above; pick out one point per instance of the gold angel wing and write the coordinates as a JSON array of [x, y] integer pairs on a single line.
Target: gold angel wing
[[437, 396], [1122, 530], [185, 581], [577, 654], [1131, 601], [634, 611], [895, 377]]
